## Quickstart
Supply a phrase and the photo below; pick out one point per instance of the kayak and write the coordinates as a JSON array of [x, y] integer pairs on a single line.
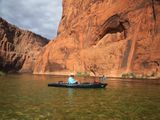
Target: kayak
[[80, 85]]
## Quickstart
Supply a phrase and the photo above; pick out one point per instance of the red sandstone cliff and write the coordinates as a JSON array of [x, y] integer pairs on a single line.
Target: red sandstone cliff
[[18, 48], [105, 37]]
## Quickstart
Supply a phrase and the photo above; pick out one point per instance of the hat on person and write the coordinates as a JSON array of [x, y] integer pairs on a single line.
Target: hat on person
[[72, 74]]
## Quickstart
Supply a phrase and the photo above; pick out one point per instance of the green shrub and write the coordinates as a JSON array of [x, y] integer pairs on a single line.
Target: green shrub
[[82, 74], [141, 76], [79, 74], [128, 75], [2, 73]]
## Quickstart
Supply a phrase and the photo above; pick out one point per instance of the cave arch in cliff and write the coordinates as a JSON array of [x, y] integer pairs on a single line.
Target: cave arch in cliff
[[114, 24]]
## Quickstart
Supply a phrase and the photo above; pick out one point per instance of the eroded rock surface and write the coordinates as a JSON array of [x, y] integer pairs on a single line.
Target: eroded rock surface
[[18, 48], [105, 37]]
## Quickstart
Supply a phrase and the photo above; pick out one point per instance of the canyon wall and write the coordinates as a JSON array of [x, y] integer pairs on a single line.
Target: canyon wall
[[109, 37], [18, 48]]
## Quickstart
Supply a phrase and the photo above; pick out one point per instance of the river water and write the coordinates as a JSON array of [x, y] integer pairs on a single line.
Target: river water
[[27, 97]]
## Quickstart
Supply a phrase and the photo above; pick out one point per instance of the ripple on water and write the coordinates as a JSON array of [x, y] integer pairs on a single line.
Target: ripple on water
[[27, 97]]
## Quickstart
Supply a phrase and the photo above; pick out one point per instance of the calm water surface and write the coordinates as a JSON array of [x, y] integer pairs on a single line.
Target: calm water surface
[[27, 97]]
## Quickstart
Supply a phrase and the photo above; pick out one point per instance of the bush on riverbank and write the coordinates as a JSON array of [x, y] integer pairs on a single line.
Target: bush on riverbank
[[2, 73], [82, 74], [128, 75], [151, 75]]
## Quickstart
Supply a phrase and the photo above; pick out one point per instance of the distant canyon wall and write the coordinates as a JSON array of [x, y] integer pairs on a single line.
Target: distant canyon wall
[[18, 48], [109, 37]]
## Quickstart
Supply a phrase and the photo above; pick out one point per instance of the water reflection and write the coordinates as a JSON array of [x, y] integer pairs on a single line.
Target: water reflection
[[40, 77], [28, 97], [70, 92]]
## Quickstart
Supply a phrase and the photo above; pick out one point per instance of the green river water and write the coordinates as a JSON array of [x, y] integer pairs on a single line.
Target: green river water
[[27, 97]]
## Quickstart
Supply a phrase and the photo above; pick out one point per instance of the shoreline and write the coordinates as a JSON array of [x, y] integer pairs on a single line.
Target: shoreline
[[66, 73], [109, 77]]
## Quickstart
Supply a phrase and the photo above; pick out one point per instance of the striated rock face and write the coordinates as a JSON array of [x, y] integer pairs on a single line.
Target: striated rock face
[[18, 48], [105, 37]]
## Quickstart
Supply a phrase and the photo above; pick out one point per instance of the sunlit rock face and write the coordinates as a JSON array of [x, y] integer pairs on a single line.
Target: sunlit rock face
[[18, 48], [109, 37]]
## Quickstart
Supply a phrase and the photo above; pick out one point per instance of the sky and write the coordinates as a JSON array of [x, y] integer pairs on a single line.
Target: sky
[[39, 16]]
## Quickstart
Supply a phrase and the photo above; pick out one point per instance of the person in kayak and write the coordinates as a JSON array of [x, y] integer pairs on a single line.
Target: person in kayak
[[103, 78], [71, 80]]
